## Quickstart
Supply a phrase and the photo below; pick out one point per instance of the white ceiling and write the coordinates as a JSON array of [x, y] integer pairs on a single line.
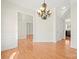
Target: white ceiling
[[35, 4]]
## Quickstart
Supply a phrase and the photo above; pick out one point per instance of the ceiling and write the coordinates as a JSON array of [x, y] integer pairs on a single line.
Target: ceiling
[[35, 4]]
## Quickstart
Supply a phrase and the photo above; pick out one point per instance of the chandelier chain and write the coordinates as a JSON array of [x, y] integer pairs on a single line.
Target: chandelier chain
[[44, 1]]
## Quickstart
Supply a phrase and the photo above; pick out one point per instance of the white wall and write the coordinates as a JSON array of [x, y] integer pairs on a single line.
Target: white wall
[[9, 24], [68, 24], [73, 24], [60, 29], [60, 24], [23, 21], [43, 29]]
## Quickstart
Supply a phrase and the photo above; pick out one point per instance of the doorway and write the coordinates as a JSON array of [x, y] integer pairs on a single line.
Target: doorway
[[25, 27], [29, 31], [68, 29]]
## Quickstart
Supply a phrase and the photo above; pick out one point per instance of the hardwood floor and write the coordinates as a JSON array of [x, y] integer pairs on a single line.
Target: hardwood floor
[[30, 50]]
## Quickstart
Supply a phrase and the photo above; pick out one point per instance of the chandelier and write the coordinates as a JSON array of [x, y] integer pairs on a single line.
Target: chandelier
[[43, 12]]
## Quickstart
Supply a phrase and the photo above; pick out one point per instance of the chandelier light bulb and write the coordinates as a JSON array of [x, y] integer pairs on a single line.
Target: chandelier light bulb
[[38, 12], [49, 12], [42, 8]]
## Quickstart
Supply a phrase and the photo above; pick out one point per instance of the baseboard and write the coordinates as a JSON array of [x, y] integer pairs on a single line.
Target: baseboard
[[10, 48]]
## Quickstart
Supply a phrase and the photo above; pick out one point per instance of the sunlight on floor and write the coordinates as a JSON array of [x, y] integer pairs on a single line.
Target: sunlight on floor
[[13, 55], [67, 42]]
